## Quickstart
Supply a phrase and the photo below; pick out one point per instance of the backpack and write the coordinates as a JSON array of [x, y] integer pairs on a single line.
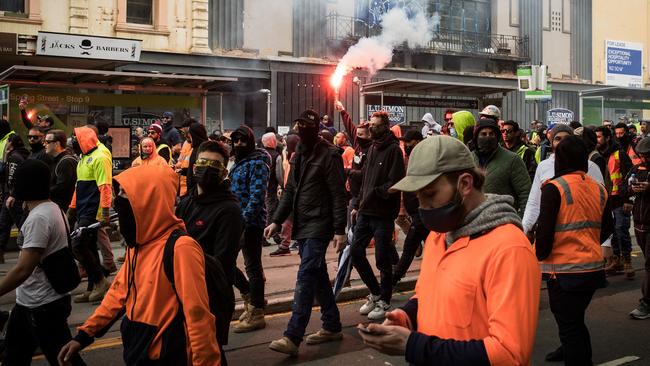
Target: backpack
[[220, 293]]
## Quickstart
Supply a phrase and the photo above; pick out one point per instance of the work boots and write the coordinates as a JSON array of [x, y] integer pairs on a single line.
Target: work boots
[[247, 305], [627, 267], [613, 265], [254, 321]]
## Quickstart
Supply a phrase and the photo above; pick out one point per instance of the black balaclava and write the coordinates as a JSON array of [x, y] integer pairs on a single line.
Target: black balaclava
[[32, 181], [244, 133], [571, 155], [198, 133], [125, 216]]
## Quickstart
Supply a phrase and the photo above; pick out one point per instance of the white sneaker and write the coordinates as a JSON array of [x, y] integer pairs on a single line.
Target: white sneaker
[[380, 311], [369, 305]]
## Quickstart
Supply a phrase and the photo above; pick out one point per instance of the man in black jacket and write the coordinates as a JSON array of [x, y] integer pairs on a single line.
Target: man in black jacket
[[11, 211], [36, 138], [377, 210], [63, 173], [315, 194], [210, 210]]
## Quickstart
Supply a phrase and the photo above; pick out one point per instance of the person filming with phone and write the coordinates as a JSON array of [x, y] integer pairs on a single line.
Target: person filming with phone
[[477, 297]]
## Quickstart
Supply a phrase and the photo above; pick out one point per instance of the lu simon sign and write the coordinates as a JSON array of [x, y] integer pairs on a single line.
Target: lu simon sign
[[72, 45]]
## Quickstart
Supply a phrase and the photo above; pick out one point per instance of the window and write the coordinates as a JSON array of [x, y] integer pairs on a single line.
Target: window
[[139, 11], [14, 6], [462, 15]]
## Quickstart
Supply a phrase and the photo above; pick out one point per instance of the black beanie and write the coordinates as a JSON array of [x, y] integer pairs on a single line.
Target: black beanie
[[571, 155], [32, 181]]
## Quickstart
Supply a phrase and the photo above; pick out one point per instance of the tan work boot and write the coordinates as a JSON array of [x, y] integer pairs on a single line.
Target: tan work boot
[[247, 307], [99, 290], [83, 297], [627, 268], [612, 265], [254, 321], [284, 345], [323, 336]]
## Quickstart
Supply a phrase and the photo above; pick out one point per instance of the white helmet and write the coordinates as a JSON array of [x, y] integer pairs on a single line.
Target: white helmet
[[492, 111]]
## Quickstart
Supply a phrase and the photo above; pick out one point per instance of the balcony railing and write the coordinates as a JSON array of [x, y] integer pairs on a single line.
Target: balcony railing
[[348, 30]]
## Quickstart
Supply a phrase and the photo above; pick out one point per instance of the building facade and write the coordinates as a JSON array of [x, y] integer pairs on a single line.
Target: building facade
[[240, 48]]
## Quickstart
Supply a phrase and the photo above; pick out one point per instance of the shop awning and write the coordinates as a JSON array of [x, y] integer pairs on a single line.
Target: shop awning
[[618, 92], [111, 80], [437, 88]]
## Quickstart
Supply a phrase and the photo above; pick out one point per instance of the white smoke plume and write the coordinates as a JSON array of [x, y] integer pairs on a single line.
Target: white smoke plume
[[374, 53]]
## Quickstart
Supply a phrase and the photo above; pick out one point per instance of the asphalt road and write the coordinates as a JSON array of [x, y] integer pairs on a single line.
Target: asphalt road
[[615, 337]]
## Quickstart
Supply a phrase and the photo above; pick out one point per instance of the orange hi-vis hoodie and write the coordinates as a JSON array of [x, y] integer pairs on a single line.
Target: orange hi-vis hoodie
[[156, 329], [477, 300]]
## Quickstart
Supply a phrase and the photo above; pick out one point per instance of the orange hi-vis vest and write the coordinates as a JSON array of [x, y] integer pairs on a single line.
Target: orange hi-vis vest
[[633, 156], [576, 246], [614, 167]]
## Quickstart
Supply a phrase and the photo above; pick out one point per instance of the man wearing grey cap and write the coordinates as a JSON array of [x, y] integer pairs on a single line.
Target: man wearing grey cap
[[476, 300]]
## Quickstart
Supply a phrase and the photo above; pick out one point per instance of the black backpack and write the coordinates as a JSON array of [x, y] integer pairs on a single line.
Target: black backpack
[[220, 293]]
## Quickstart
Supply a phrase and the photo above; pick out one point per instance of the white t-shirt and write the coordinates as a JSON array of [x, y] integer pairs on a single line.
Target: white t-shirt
[[44, 228]]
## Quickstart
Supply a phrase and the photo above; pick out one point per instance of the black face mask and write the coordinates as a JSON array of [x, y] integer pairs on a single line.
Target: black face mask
[[486, 145], [377, 132], [308, 135], [408, 150], [446, 218], [36, 146], [363, 142], [75, 146], [208, 177], [126, 219]]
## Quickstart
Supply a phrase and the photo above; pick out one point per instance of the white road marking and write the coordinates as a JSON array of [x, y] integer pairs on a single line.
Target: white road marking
[[620, 361]]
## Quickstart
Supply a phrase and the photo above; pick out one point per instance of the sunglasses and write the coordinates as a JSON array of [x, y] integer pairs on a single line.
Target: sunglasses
[[507, 131], [34, 137], [209, 163], [49, 141]]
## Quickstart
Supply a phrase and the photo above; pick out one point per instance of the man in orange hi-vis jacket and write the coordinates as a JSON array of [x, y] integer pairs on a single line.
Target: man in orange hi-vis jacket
[[477, 297]]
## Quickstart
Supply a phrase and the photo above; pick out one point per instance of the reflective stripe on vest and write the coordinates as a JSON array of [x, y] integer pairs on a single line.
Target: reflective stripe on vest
[[576, 244], [163, 146], [521, 151], [3, 145], [614, 166]]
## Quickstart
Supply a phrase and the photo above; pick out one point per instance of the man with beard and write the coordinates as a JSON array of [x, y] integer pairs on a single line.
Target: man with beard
[[36, 138], [315, 194], [64, 168], [250, 178], [506, 174], [626, 140], [162, 146], [513, 142], [416, 232], [377, 210], [171, 134], [619, 165]]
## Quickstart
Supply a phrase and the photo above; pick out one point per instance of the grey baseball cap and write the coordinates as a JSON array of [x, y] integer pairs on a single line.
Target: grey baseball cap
[[432, 158]]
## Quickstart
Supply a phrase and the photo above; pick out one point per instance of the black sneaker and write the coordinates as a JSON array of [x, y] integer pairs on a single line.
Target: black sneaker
[[279, 252], [555, 356], [641, 312]]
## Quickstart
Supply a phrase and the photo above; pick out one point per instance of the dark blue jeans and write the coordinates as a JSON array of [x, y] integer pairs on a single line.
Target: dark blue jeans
[[621, 241], [381, 229], [312, 282]]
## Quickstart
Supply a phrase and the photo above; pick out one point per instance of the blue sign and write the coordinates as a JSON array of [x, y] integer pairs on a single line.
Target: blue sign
[[624, 64]]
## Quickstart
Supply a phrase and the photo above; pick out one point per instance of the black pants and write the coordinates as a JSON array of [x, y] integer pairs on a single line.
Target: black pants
[[252, 251], [9, 217], [643, 239], [414, 238], [45, 326], [569, 308], [381, 229], [84, 248]]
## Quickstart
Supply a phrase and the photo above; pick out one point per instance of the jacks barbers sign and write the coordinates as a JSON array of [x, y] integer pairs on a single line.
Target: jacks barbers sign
[[73, 45]]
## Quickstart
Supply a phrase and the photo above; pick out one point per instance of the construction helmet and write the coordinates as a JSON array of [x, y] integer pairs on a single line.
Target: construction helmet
[[491, 111]]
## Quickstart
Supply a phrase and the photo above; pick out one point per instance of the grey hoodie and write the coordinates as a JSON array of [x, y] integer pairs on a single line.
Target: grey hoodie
[[431, 127], [497, 210]]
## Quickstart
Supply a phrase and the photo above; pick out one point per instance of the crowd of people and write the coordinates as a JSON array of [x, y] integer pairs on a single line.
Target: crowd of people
[[493, 208]]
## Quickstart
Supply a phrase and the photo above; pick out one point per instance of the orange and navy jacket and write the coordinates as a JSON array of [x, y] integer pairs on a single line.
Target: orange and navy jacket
[[158, 327], [476, 303], [576, 245], [94, 177]]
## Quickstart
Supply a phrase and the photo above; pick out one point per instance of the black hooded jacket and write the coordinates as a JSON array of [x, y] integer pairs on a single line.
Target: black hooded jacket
[[215, 221], [383, 168], [199, 136], [315, 193], [12, 160]]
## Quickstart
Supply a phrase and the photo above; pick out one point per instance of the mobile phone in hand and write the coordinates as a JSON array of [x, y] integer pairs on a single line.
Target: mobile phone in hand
[[364, 328]]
